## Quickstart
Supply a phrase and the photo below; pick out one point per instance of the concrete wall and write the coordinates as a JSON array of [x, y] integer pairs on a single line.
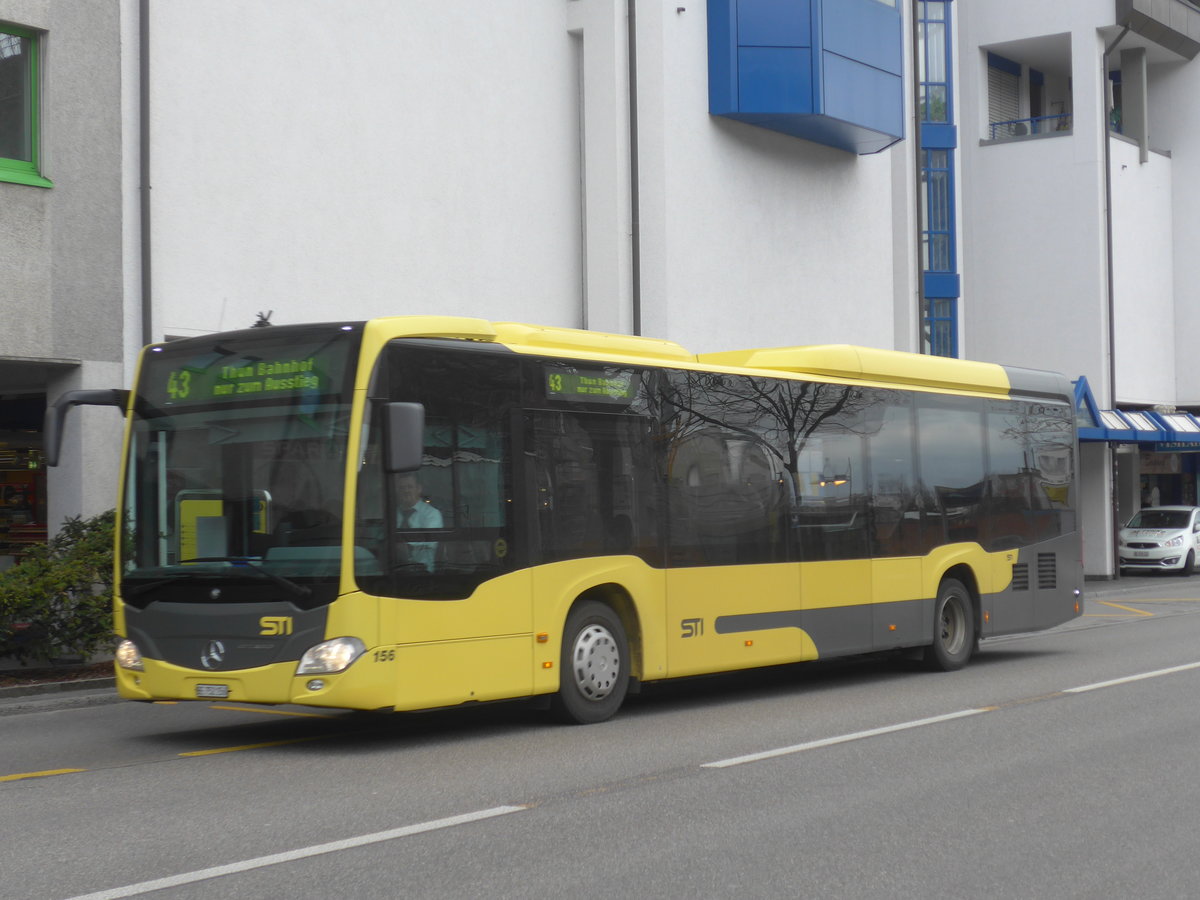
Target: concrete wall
[[62, 249], [1034, 242], [1143, 276], [438, 156], [1175, 128]]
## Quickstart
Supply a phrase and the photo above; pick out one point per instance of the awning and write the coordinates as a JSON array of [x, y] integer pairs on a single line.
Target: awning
[[1155, 431]]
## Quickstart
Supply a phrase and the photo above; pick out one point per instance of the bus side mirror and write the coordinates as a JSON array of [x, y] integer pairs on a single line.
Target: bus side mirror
[[403, 437], [56, 413]]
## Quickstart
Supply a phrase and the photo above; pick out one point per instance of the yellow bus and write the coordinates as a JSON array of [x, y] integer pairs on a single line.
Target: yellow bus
[[421, 511]]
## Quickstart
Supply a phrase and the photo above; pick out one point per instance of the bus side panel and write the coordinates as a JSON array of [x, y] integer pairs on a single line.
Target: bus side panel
[[734, 617], [454, 672], [902, 605], [1040, 590], [556, 587], [501, 606], [455, 651], [836, 605]]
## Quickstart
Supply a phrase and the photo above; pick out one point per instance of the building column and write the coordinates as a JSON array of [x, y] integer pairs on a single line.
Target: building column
[[601, 28]]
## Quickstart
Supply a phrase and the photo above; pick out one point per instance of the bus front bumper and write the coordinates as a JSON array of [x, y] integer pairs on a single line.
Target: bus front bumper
[[365, 684]]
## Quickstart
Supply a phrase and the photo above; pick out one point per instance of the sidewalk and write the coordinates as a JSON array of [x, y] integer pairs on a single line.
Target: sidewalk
[[24, 698], [85, 689]]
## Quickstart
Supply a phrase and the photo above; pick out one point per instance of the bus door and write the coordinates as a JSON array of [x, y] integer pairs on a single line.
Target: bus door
[[831, 518], [732, 595], [594, 505]]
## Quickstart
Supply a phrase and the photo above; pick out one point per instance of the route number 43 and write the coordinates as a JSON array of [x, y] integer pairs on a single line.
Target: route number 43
[[179, 384]]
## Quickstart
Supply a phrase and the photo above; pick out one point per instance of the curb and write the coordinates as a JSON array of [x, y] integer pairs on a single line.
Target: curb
[[55, 687], [57, 700]]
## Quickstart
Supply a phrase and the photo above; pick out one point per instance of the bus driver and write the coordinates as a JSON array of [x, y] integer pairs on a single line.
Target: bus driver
[[414, 513]]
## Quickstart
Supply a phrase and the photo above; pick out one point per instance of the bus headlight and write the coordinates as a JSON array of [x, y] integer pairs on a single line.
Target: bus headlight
[[128, 656], [330, 656]]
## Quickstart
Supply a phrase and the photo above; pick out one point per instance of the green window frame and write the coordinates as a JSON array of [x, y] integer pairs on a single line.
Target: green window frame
[[20, 145]]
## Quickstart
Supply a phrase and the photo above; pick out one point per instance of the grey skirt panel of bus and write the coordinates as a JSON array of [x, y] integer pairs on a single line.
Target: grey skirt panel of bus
[[1041, 593]]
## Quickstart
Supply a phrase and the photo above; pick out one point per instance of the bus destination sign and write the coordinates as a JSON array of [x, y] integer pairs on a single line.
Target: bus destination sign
[[260, 377], [229, 374], [590, 385]]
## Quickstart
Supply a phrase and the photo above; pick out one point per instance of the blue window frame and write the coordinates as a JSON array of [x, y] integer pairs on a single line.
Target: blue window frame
[[934, 51], [939, 140], [938, 250]]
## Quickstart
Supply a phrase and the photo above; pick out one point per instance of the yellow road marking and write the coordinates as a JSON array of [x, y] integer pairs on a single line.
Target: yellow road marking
[[1167, 600], [1140, 612], [275, 712], [45, 774], [252, 746]]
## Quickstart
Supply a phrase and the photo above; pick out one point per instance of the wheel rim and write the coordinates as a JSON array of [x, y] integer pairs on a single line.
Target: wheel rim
[[595, 662], [953, 625]]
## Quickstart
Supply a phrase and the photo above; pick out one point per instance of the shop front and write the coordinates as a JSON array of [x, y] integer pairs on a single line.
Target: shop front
[[1154, 455], [22, 493]]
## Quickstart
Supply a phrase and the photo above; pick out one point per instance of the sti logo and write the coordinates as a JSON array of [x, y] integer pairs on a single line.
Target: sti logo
[[275, 625], [692, 627]]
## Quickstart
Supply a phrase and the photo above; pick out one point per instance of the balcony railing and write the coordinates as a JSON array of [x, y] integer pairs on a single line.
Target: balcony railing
[[1018, 128]]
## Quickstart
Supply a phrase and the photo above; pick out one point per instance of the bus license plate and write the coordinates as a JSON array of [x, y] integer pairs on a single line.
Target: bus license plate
[[213, 691]]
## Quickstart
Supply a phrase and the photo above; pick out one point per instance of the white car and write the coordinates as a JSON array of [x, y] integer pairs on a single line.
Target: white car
[[1161, 538]]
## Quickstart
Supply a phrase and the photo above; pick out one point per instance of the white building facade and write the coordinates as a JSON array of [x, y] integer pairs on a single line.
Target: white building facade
[[721, 173]]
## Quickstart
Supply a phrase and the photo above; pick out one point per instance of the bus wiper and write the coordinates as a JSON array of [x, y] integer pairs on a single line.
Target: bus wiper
[[133, 590], [244, 562]]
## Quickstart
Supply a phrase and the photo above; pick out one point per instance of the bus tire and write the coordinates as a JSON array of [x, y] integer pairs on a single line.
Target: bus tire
[[953, 628], [594, 674]]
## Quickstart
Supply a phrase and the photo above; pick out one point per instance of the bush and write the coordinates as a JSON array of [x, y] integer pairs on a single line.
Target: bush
[[57, 601]]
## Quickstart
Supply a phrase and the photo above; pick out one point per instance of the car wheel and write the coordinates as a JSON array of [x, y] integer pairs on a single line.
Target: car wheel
[[1189, 564], [595, 665], [953, 628]]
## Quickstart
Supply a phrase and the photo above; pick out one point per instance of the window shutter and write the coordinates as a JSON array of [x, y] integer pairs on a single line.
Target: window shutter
[[1004, 98]]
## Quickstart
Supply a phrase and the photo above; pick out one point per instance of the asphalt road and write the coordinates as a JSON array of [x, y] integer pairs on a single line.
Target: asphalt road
[[1060, 764]]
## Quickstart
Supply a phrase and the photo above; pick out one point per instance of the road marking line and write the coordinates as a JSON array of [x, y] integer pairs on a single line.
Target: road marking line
[[158, 884], [1140, 612], [1165, 600], [318, 737], [1128, 678], [843, 738], [45, 774]]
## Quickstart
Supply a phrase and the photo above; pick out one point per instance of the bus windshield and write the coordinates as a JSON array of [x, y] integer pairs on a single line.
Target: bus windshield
[[237, 464]]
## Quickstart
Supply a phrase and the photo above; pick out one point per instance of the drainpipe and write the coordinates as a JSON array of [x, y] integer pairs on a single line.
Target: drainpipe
[[144, 164], [634, 202]]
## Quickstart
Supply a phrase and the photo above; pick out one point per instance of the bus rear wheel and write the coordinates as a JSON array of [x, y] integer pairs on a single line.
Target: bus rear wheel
[[594, 674], [953, 628]]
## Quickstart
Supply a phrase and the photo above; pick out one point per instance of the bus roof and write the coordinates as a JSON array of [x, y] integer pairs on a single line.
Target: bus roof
[[836, 361]]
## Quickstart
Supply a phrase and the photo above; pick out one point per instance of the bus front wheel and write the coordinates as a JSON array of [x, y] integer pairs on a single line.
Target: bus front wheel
[[953, 628], [595, 665]]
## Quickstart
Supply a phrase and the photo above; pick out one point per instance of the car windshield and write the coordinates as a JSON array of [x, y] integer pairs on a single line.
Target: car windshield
[[1161, 518]]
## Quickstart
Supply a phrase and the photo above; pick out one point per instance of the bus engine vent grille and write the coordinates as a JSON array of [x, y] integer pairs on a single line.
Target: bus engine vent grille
[[1047, 571], [1020, 581]]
